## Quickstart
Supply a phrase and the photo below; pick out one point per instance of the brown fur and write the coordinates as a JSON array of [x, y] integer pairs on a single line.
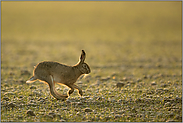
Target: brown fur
[[54, 72]]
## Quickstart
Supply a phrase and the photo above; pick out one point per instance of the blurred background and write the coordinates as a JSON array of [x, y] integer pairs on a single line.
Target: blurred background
[[109, 32]]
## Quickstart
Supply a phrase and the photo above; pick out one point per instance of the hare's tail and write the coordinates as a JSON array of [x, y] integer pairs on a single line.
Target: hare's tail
[[32, 79]]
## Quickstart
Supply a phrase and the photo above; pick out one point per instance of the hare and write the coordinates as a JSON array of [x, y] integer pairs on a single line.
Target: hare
[[54, 72]]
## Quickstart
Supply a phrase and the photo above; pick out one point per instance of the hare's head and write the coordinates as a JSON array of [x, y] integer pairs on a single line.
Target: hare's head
[[82, 66]]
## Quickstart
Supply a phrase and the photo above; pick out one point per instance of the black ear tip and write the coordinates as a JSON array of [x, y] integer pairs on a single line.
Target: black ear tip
[[83, 51]]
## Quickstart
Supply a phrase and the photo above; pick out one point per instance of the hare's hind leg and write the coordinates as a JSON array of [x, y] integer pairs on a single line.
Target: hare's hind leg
[[44, 76], [53, 90], [79, 89]]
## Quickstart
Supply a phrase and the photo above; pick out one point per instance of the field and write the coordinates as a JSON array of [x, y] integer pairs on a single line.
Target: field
[[133, 50]]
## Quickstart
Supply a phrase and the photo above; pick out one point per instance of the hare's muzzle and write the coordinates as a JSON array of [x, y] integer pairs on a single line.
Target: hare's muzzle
[[88, 70]]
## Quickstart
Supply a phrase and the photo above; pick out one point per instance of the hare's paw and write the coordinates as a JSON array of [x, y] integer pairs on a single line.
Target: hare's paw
[[70, 91], [80, 92], [64, 97]]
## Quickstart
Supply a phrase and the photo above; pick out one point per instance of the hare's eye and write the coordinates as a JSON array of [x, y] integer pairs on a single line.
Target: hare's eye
[[84, 65]]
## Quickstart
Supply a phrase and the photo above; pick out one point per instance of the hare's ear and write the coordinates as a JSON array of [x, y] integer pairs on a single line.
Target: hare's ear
[[83, 55]]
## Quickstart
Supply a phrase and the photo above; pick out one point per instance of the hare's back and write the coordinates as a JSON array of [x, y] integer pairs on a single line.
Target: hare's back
[[46, 65], [51, 66]]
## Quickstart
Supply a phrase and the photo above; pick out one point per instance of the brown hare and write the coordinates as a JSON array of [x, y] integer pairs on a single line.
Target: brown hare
[[54, 72]]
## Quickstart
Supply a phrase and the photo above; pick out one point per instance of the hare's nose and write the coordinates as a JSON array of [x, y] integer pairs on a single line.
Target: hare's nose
[[89, 71]]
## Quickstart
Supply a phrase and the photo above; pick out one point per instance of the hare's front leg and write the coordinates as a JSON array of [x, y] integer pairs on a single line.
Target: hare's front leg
[[79, 89], [71, 89]]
